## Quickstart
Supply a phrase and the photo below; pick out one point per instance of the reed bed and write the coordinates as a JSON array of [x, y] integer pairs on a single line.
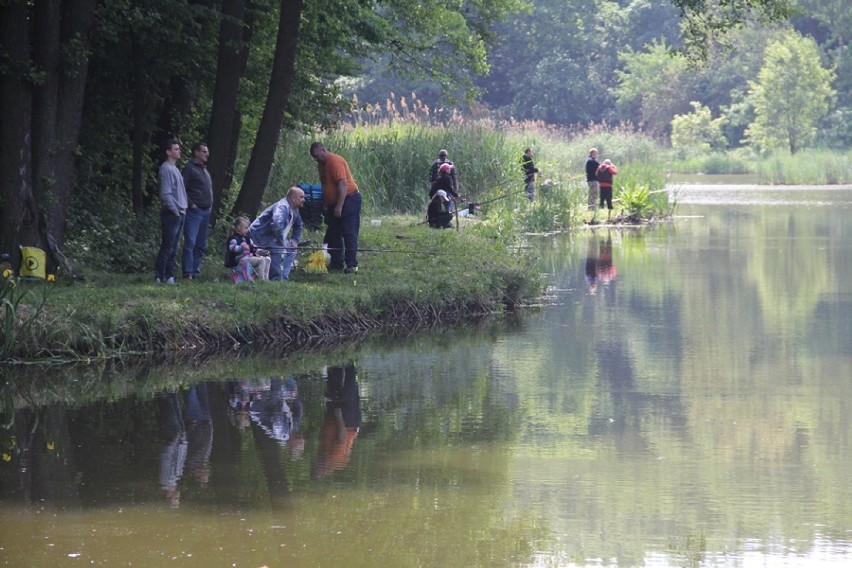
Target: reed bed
[[390, 149], [808, 167], [714, 163]]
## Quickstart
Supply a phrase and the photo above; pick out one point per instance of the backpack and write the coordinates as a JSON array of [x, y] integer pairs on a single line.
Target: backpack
[[230, 258]]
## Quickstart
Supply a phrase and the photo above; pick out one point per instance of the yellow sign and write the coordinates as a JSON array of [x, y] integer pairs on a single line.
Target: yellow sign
[[33, 263]]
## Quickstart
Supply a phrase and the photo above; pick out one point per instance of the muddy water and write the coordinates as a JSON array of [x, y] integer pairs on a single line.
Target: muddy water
[[681, 399]]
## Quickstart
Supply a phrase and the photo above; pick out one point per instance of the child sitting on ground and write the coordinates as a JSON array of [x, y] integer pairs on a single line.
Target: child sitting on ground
[[244, 256]]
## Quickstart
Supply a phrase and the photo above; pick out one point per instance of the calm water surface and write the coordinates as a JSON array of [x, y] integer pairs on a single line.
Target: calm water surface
[[681, 399]]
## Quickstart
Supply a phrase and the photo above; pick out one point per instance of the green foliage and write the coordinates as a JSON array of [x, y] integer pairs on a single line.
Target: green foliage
[[14, 319], [836, 128], [556, 206], [635, 199], [792, 92], [704, 21], [697, 132], [9, 301], [105, 235], [640, 191], [835, 20], [655, 82], [558, 62]]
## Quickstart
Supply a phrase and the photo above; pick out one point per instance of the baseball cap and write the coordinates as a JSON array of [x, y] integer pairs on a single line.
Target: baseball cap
[[445, 168], [442, 194]]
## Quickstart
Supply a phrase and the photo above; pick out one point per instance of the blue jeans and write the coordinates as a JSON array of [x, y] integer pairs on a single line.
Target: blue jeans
[[197, 405], [195, 229], [282, 263], [164, 267], [341, 233]]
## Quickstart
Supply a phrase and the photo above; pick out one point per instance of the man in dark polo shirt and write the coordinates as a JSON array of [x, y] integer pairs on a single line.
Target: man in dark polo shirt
[[592, 178], [199, 193]]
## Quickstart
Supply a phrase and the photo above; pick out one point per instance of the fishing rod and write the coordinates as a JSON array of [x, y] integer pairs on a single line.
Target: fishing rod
[[398, 251], [500, 183], [505, 195]]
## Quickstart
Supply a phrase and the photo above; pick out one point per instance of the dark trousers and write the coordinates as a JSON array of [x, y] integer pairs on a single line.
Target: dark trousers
[[197, 405], [441, 221], [606, 197], [172, 224], [341, 233]]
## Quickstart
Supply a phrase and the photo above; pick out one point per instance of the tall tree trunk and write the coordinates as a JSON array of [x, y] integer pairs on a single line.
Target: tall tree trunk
[[269, 131], [235, 35], [60, 50], [46, 59], [78, 17], [15, 125], [138, 134], [177, 105], [182, 88]]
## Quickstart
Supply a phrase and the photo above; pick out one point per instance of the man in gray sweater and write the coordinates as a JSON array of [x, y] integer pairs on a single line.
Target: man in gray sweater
[[172, 213]]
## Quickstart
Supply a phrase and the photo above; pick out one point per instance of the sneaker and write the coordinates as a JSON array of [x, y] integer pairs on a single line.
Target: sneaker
[[351, 270], [171, 281], [157, 280]]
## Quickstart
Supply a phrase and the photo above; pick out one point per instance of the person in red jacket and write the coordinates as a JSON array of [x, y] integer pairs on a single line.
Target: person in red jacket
[[604, 174]]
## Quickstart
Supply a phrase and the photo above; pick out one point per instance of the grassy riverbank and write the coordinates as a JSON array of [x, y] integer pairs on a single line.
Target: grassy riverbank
[[118, 310], [410, 275]]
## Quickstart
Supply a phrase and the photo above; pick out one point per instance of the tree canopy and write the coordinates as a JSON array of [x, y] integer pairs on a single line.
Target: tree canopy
[[227, 71], [791, 94], [90, 89]]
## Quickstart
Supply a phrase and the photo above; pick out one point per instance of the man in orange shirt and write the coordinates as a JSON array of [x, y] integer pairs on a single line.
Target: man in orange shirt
[[342, 202]]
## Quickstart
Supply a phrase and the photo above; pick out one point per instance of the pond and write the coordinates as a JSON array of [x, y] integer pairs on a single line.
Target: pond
[[680, 398]]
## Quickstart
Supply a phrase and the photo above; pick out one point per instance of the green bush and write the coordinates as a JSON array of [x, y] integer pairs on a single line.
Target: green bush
[[697, 132], [640, 190], [105, 235]]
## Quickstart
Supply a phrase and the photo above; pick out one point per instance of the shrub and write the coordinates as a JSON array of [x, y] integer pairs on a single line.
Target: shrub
[[697, 132]]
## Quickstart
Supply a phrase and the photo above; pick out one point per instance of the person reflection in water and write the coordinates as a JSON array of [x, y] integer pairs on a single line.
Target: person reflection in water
[[592, 267], [173, 451], [606, 270], [186, 432], [199, 433], [342, 420], [274, 406], [599, 266]]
